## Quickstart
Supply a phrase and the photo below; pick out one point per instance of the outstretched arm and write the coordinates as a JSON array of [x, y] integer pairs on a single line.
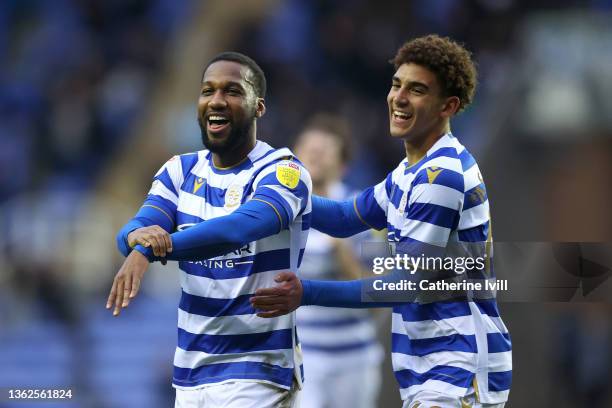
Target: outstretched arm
[[276, 203], [252, 221], [291, 293], [336, 218], [343, 219]]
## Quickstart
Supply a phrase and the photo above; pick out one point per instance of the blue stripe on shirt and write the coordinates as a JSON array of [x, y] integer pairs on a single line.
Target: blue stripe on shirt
[[445, 177], [434, 214], [474, 197], [164, 178], [422, 347], [488, 307], [475, 234], [467, 160], [212, 307], [184, 218], [235, 343], [213, 373], [456, 376], [498, 342], [500, 381], [187, 162], [415, 312]]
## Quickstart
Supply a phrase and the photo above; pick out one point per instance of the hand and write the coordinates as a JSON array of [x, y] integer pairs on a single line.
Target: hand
[[153, 236], [127, 281], [281, 299]]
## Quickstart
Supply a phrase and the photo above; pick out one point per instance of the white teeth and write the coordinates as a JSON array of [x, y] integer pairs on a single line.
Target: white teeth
[[215, 117], [401, 115]]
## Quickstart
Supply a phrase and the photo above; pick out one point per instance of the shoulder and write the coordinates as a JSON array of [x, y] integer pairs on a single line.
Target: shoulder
[[289, 172], [179, 165]]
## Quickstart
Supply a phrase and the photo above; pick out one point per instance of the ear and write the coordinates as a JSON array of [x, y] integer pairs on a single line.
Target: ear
[[450, 106], [261, 108]]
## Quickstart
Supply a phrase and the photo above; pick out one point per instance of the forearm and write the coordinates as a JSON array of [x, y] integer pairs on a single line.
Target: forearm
[[218, 236], [154, 211], [348, 294], [336, 218]]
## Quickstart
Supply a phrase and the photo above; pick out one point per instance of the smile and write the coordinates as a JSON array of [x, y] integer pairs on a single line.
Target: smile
[[217, 123]]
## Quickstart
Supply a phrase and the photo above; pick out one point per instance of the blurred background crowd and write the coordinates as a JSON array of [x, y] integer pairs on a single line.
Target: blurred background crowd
[[96, 95]]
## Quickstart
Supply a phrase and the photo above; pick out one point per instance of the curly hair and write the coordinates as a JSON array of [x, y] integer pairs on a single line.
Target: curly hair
[[449, 61]]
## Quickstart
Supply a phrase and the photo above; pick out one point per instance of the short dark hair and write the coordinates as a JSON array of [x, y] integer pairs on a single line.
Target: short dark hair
[[336, 127], [448, 60], [258, 74]]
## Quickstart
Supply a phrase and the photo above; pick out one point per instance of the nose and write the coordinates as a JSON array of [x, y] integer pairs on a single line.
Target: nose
[[217, 100], [401, 97]]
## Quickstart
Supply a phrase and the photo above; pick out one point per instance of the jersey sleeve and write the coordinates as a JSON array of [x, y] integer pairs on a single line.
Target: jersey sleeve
[[371, 205], [166, 184], [433, 209], [159, 208], [286, 186]]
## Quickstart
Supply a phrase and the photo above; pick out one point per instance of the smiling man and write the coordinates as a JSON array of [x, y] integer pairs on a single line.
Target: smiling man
[[233, 215], [445, 353]]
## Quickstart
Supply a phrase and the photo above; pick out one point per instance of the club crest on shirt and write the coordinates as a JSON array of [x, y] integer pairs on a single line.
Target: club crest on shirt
[[233, 196], [288, 174]]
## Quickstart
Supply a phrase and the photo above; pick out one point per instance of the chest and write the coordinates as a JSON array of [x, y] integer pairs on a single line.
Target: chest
[[205, 194]]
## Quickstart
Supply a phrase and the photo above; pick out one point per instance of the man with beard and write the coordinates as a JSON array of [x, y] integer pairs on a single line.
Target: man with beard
[[452, 349], [233, 215]]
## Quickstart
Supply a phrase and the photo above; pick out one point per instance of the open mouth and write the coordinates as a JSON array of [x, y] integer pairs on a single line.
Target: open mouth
[[400, 117], [217, 123]]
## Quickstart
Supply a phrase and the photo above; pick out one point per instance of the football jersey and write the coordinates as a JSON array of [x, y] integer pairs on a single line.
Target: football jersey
[[220, 338], [441, 201]]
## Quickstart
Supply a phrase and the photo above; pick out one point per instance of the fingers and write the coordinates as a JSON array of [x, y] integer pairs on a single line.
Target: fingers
[[157, 244], [111, 296], [153, 236], [168, 241], [261, 302], [274, 291], [284, 276], [273, 313], [118, 298], [127, 288], [135, 288], [160, 240]]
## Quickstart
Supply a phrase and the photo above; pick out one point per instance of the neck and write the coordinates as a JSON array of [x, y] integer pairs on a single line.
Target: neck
[[235, 156], [320, 189], [417, 149]]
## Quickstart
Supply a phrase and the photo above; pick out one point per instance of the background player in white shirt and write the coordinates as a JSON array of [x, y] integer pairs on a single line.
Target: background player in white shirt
[[445, 354], [238, 212], [342, 356]]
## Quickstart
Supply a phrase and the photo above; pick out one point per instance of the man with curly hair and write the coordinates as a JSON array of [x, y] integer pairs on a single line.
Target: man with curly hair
[[449, 348]]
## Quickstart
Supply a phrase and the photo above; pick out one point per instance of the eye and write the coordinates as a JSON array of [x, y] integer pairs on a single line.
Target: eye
[[418, 91], [206, 91], [234, 91], [395, 85]]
